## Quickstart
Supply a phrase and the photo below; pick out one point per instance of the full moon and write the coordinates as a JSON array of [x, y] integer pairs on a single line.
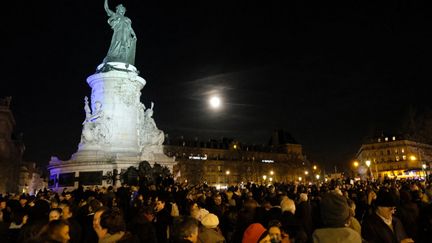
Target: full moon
[[215, 102]]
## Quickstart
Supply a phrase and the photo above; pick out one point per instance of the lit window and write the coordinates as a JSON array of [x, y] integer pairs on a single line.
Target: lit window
[[394, 138], [397, 158], [403, 150], [404, 157], [379, 140], [396, 151], [386, 138]]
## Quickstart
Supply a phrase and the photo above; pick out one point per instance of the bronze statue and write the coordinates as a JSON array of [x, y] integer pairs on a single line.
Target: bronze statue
[[123, 42]]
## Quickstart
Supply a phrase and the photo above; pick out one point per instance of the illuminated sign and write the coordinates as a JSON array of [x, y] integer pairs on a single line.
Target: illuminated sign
[[198, 157], [267, 161]]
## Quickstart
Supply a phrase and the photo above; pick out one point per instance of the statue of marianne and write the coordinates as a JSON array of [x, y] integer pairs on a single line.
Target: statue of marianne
[[123, 42]]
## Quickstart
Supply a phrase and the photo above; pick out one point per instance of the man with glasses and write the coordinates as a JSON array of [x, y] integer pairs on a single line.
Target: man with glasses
[[382, 226]]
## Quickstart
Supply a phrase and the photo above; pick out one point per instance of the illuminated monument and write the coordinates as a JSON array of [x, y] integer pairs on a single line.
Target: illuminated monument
[[118, 130]]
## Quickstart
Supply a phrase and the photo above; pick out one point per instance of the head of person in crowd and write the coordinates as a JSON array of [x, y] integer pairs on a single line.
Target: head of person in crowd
[[55, 231], [256, 233], [185, 229], [68, 196], [23, 200], [303, 197], [250, 204], [40, 210], [197, 212], [54, 203], [274, 229], [217, 199], [385, 204], [210, 221], [146, 214], [66, 208], [288, 205], [266, 204], [334, 210], [55, 214], [94, 205], [109, 222], [160, 203]]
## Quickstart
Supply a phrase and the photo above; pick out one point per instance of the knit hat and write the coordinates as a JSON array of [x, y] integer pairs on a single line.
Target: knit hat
[[210, 221], [385, 199], [334, 210], [253, 233]]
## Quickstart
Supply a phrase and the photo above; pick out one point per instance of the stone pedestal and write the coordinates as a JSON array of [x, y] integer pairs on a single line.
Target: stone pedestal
[[118, 131]]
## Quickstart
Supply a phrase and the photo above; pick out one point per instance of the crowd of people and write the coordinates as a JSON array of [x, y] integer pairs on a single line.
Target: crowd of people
[[337, 211]]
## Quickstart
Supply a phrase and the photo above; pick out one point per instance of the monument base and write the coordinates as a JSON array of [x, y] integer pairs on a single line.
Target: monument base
[[98, 169]]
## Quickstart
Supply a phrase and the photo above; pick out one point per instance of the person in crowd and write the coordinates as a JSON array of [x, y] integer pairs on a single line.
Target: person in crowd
[[68, 215], [275, 232], [335, 218], [209, 232], [55, 214], [304, 213], [381, 226], [290, 223], [143, 227], [354, 223], [185, 230], [89, 234], [163, 218], [111, 227], [56, 231], [256, 233]]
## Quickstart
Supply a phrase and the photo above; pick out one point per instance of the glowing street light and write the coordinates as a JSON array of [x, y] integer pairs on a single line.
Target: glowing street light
[[368, 163], [271, 179], [271, 172], [356, 164], [306, 172], [424, 166], [227, 172], [317, 177], [412, 157], [314, 167], [264, 177], [300, 178]]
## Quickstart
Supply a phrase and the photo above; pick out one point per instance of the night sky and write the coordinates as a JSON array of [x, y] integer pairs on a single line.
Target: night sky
[[331, 75]]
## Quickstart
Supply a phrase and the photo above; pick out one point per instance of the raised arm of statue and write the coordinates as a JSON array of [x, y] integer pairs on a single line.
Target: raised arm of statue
[[109, 11]]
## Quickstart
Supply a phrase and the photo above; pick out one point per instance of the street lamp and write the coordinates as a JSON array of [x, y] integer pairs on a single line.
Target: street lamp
[[356, 164], [306, 172], [300, 178], [264, 177], [368, 163], [314, 167], [317, 177], [424, 170], [271, 179], [227, 177], [271, 172]]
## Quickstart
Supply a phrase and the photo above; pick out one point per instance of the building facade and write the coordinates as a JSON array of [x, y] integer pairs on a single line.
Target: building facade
[[395, 157], [227, 161], [17, 176]]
